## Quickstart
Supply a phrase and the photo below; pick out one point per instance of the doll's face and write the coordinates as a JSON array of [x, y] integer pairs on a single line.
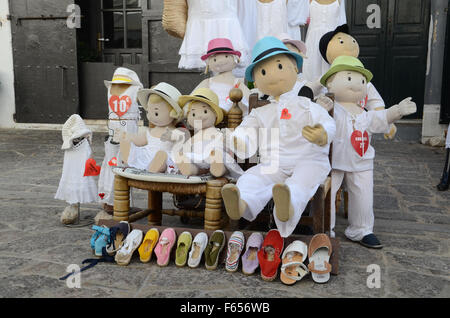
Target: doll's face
[[119, 89], [342, 44], [348, 86], [201, 112], [158, 111], [222, 62], [276, 75]]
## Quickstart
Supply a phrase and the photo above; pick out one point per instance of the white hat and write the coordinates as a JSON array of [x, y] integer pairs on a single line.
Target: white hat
[[166, 91], [74, 128], [124, 75]]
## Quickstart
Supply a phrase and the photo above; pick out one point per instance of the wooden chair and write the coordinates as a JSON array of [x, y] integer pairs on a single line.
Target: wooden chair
[[209, 188], [319, 217]]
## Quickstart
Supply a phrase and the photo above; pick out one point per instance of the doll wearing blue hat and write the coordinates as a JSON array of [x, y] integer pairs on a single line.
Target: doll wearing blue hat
[[292, 135]]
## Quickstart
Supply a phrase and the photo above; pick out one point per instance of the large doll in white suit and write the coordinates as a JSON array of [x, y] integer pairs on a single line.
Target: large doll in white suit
[[294, 137], [353, 155]]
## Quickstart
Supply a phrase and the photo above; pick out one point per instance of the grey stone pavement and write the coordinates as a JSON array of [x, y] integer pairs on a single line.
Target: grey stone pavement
[[412, 221]]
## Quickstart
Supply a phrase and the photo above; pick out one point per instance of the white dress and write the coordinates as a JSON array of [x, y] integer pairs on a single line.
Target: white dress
[[141, 157], [297, 13], [324, 18], [73, 186], [128, 122], [223, 91], [272, 19], [208, 20]]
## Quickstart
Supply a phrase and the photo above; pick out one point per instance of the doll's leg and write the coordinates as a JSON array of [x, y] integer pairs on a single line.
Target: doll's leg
[[125, 146], [158, 164], [360, 206], [444, 183], [292, 197], [337, 176], [184, 164], [217, 166]]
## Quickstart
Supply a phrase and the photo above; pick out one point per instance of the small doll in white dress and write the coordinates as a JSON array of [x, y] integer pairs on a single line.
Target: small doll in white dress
[[124, 116], [205, 151], [78, 183], [221, 59], [152, 151]]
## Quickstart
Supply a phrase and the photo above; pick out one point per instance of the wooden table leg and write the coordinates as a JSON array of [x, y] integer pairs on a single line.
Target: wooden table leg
[[213, 204], [155, 204], [121, 199]]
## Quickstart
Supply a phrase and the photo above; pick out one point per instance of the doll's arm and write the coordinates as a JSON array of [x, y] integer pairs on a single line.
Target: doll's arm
[[323, 132], [404, 108], [138, 139], [244, 138]]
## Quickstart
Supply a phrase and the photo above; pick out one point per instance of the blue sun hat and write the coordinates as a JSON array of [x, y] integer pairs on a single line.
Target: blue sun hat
[[265, 48]]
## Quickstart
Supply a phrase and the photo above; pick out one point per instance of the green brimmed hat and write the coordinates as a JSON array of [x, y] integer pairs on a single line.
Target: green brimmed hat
[[346, 63]]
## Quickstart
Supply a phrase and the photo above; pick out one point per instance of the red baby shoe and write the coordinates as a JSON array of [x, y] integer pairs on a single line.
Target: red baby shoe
[[269, 255]]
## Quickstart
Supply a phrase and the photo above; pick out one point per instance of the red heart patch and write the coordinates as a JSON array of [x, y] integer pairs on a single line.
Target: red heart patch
[[91, 168], [101, 195], [113, 162], [285, 114], [360, 142], [119, 105]]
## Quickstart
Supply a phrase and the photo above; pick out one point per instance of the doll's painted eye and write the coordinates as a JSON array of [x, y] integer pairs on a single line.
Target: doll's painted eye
[[215, 60], [263, 72], [193, 114], [280, 66], [156, 114], [342, 42], [226, 56], [363, 81], [349, 79], [206, 111], [354, 41]]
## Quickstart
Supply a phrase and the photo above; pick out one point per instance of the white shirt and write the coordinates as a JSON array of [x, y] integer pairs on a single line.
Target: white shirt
[[279, 128], [374, 99], [345, 156]]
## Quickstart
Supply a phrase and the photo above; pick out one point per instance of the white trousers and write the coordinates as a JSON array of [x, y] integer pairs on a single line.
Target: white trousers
[[255, 187], [359, 186]]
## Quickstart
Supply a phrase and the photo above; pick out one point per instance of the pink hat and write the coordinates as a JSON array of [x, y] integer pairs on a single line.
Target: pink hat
[[220, 45], [301, 46]]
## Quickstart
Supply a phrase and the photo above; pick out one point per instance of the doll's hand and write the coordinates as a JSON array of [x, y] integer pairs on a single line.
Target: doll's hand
[[407, 107], [392, 132], [325, 102], [315, 134]]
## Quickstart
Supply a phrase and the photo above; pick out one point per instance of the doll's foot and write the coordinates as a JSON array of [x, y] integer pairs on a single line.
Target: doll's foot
[[217, 167], [158, 164], [282, 201], [188, 169], [70, 214], [234, 205]]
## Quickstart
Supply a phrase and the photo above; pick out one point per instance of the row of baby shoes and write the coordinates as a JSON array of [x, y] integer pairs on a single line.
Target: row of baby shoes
[[267, 253]]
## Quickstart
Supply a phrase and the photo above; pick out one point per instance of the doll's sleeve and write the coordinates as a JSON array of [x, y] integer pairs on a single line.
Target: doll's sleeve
[[342, 13], [247, 134], [379, 123], [374, 99]]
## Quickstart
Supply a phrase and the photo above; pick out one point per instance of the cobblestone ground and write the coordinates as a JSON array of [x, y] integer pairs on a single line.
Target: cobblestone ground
[[412, 220]]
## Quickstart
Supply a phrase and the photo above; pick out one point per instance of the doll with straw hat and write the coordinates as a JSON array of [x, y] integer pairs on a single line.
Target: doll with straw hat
[[152, 151], [204, 151]]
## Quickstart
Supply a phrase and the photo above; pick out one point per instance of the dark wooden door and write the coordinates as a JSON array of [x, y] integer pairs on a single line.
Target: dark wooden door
[[445, 99], [397, 51], [45, 61]]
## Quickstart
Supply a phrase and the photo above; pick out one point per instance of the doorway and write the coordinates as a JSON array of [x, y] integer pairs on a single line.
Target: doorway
[[396, 53]]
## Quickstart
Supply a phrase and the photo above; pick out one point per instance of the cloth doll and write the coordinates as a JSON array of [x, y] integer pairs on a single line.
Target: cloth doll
[[152, 151], [444, 183], [204, 152], [352, 153], [339, 42], [77, 184], [221, 59], [293, 136], [207, 20], [325, 16], [124, 116]]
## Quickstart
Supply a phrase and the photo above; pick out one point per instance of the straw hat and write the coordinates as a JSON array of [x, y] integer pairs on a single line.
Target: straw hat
[[166, 91], [74, 128], [124, 75], [346, 63], [207, 96], [174, 18]]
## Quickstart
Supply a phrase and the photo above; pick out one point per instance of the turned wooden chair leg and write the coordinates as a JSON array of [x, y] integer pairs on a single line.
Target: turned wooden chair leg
[[155, 204], [213, 204], [121, 199], [318, 208]]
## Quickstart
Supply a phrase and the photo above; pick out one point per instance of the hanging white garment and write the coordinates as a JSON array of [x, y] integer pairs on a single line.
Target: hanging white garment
[[272, 19], [106, 178], [73, 186], [297, 13], [324, 18], [208, 20], [223, 91], [141, 157], [248, 17]]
